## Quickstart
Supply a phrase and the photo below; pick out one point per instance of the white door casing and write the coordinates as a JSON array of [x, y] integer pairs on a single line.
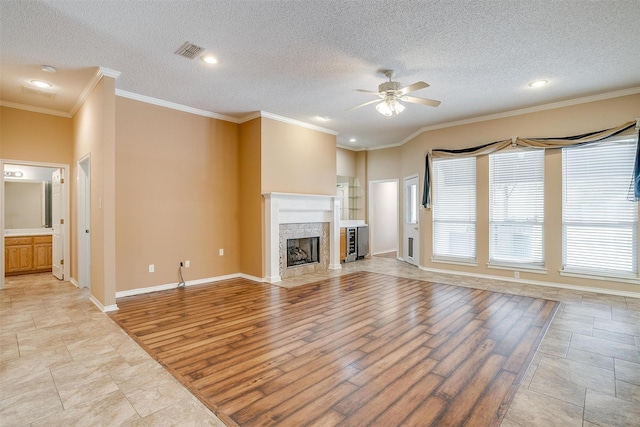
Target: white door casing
[[84, 222], [58, 224], [411, 236]]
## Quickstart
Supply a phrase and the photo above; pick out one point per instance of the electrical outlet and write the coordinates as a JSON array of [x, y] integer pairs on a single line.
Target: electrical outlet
[[187, 263], [152, 268], [221, 252], [516, 274]]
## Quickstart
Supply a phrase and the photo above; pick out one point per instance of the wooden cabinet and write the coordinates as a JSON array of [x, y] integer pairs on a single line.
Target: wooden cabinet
[[29, 254], [42, 253], [343, 244]]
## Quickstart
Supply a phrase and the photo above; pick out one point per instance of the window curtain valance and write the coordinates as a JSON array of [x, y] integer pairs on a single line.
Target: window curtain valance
[[515, 142]]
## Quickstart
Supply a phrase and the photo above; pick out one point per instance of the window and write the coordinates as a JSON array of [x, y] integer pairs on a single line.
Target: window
[[454, 209], [412, 203], [599, 223], [516, 208]]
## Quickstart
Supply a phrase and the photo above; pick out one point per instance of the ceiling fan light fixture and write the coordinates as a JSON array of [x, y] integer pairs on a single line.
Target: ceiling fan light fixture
[[390, 107]]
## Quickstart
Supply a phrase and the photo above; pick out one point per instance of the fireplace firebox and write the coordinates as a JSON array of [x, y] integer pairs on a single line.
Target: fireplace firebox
[[303, 251]]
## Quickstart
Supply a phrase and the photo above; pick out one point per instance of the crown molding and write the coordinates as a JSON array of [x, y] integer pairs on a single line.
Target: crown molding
[[296, 123], [344, 147], [108, 72], [35, 109], [521, 111], [384, 147], [174, 106], [250, 117]]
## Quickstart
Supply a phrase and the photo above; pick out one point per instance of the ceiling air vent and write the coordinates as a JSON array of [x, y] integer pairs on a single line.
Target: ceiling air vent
[[189, 50]]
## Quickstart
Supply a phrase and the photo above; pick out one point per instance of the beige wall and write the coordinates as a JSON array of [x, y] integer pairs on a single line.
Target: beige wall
[[297, 159], [557, 122], [345, 162], [176, 195], [384, 164], [35, 137], [250, 199], [94, 135]]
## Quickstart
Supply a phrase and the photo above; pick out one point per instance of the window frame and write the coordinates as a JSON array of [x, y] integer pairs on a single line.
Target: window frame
[[531, 266], [437, 206], [599, 274]]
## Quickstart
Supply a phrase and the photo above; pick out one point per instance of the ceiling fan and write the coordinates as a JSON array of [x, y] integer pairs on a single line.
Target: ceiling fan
[[392, 92]]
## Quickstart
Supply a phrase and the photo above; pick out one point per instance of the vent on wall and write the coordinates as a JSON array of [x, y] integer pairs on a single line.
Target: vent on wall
[[189, 50]]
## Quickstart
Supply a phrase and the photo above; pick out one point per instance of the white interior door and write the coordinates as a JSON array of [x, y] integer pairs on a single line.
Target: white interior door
[[84, 223], [57, 180], [411, 241]]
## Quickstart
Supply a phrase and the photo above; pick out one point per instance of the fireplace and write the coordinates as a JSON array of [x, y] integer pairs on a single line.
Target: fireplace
[[304, 248], [300, 216], [303, 251]]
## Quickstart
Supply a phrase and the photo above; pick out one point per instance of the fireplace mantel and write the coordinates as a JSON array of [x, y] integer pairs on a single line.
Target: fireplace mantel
[[291, 208]]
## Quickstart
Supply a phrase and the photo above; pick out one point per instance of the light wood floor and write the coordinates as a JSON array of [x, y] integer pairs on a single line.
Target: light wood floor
[[360, 349]]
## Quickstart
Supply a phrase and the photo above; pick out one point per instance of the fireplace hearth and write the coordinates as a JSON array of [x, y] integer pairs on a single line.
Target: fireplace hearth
[[303, 251]]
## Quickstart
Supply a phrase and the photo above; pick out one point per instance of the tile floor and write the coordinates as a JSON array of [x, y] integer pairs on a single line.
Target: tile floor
[[63, 362]]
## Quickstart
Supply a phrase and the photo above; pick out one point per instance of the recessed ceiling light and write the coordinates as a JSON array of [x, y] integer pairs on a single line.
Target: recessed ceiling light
[[41, 84], [352, 140], [324, 118], [49, 69], [538, 83], [209, 59]]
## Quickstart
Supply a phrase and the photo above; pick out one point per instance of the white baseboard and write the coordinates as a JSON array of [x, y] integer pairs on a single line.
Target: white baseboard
[[74, 282], [273, 279], [101, 307], [335, 266], [250, 277], [537, 282], [384, 252], [139, 291]]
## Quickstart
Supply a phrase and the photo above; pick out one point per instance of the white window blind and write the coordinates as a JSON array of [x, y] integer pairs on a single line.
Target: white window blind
[[516, 208], [600, 224], [454, 209]]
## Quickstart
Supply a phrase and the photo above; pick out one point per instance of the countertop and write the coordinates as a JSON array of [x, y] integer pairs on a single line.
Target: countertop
[[28, 232]]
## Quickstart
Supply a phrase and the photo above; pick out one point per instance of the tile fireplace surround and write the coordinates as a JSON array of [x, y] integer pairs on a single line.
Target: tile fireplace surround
[[288, 208]]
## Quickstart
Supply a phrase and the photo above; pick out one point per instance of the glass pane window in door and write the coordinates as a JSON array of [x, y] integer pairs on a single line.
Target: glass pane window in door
[[412, 204]]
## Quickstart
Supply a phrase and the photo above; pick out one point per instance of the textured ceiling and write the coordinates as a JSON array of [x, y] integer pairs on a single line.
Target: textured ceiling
[[304, 59]]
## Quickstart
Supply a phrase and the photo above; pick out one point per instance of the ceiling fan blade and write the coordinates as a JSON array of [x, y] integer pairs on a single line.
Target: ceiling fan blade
[[362, 105], [423, 101], [368, 91], [413, 87]]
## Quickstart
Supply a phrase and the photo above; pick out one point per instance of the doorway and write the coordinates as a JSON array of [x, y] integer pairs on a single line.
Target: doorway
[[84, 222], [383, 217], [411, 240], [18, 171]]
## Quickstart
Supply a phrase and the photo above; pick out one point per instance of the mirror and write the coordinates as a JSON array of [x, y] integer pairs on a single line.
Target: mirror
[[27, 197]]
